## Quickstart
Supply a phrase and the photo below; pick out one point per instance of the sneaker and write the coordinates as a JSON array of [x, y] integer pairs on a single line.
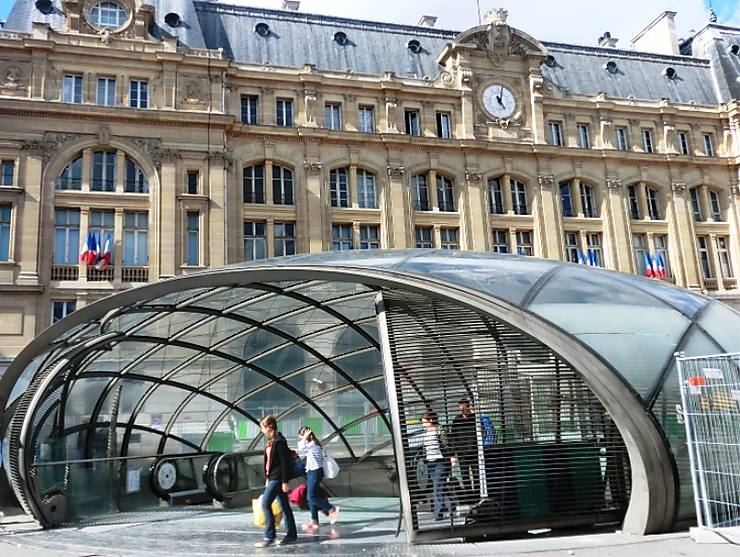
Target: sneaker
[[264, 543], [310, 526], [333, 514], [286, 540]]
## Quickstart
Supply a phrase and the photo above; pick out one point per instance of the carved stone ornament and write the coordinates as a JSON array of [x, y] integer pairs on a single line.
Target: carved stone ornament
[[312, 167], [546, 181], [225, 158], [47, 147], [537, 84], [497, 16], [613, 183], [396, 172], [472, 177], [169, 155], [13, 78], [735, 190], [499, 37], [194, 92], [311, 98], [104, 134], [679, 188], [152, 148]]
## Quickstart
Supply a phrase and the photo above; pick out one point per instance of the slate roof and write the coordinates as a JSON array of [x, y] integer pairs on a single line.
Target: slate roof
[[714, 42]]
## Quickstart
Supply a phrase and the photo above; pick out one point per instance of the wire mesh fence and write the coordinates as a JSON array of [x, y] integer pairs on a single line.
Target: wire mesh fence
[[710, 396]]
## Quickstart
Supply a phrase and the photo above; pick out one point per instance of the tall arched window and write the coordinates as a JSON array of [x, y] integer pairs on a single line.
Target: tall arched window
[[338, 190], [135, 181], [696, 205], [566, 199], [103, 176], [519, 198], [653, 203], [588, 202], [496, 197], [715, 206], [445, 194], [253, 182], [420, 193], [367, 195], [282, 185], [71, 177]]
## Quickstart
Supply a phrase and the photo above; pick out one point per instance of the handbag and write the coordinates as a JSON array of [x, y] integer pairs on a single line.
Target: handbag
[[330, 466], [259, 513], [297, 466]]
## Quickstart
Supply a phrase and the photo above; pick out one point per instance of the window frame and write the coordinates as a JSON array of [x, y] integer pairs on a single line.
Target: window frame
[[109, 92], [445, 194], [341, 237], [682, 139], [524, 244], [333, 115], [594, 245], [132, 235], [571, 245], [64, 306], [138, 94], [72, 90], [7, 172], [496, 196], [284, 115], [368, 240], [251, 115], [283, 188], [622, 138], [695, 201], [444, 124], [362, 125], [715, 205], [633, 202], [6, 232], [192, 173], [497, 245], [192, 239], [556, 132], [140, 183], [648, 145], [71, 240], [419, 185], [519, 198], [339, 188], [253, 240], [424, 237], [568, 187], [724, 256], [449, 238], [702, 252], [366, 183], [652, 197], [584, 135], [660, 247], [103, 170], [412, 119], [253, 185], [708, 142], [588, 202], [285, 241]]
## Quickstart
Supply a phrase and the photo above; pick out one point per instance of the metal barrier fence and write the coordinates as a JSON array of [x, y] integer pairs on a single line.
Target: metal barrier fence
[[710, 396]]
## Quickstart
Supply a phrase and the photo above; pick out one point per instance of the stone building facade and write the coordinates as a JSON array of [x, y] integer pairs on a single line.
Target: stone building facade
[[198, 135]]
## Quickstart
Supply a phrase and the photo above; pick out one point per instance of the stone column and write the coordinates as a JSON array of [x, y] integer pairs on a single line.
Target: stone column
[[704, 206], [29, 216], [428, 120], [269, 198], [617, 227], [117, 247], [506, 194], [396, 207], [473, 213], [270, 236], [84, 229], [546, 222], [86, 169], [352, 186], [315, 209], [432, 190], [576, 197], [120, 171], [216, 211], [684, 261], [166, 249], [536, 84], [642, 200]]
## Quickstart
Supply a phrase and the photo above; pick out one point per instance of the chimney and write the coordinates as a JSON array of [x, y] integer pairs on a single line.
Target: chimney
[[659, 37], [607, 41], [427, 21], [291, 5]]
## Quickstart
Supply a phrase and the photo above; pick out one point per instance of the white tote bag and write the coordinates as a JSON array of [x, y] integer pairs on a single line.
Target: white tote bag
[[330, 466]]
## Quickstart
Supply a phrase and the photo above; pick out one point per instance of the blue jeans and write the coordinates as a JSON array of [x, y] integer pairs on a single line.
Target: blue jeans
[[438, 471], [316, 501], [272, 491]]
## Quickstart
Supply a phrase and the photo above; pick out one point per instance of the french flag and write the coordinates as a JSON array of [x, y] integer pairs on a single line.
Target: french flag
[[648, 266], [581, 260], [661, 266], [656, 271], [103, 258], [88, 255], [592, 259]]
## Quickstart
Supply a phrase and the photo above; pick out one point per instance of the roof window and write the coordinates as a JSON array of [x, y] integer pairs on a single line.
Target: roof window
[[172, 19], [611, 67], [341, 38], [670, 73], [735, 49], [414, 46], [262, 29], [550, 61], [44, 6]]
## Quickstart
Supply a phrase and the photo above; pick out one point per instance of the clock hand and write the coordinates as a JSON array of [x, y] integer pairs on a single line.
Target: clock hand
[[498, 99]]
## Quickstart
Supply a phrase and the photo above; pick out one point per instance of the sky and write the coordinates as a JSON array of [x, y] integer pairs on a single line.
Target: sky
[[570, 21]]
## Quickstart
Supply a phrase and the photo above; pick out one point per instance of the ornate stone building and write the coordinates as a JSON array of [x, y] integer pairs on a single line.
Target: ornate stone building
[[199, 135]]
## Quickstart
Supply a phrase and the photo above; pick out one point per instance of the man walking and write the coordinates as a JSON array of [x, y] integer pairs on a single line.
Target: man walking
[[465, 446]]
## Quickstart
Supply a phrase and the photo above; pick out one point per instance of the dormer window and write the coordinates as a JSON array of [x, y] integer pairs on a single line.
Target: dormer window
[[108, 15]]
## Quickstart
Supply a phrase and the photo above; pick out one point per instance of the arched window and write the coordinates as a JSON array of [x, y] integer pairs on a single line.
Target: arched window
[[653, 204], [282, 185], [135, 181], [420, 193], [108, 15], [588, 202], [338, 188], [496, 195], [566, 199], [519, 198], [696, 205], [103, 176], [367, 195], [253, 180], [633, 202], [71, 177], [715, 206], [445, 194]]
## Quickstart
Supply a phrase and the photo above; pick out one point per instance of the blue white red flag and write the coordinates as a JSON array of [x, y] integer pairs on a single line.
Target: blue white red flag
[[591, 258], [581, 260], [89, 250], [654, 262], [648, 266], [103, 259], [661, 266], [520, 251]]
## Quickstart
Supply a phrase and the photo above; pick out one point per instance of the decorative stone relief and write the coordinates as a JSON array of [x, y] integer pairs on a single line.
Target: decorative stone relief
[[13, 78], [546, 181], [679, 188], [104, 134], [391, 114], [266, 90], [169, 155], [472, 177], [396, 172], [735, 190], [47, 147], [312, 101], [195, 92], [152, 148], [312, 167], [225, 158], [613, 183]]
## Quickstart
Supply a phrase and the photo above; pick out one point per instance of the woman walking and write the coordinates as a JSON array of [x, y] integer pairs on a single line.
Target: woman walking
[[277, 474], [310, 447], [438, 463]]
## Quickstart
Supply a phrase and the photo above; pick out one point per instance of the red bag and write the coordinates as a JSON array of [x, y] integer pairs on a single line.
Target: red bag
[[297, 496]]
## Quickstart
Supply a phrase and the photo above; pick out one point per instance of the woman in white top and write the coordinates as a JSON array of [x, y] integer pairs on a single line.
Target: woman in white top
[[309, 446], [438, 463]]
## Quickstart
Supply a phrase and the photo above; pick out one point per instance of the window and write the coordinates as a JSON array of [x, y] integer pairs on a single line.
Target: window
[[647, 140], [135, 239], [255, 241], [519, 198], [593, 250], [556, 135], [413, 125], [138, 94], [61, 309], [192, 244], [420, 192], [102, 226], [366, 194], [108, 14], [282, 185], [333, 116], [682, 139], [634, 202], [724, 257], [5, 214], [341, 236], [193, 179], [496, 196], [571, 247], [621, 134], [639, 248], [500, 241], [423, 237], [103, 171], [696, 205], [566, 199], [660, 251], [7, 172], [284, 112], [66, 236], [367, 119], [445, 196], [584, 139], [449, 238], [72, 89], [653, 204], [249, 109], [253, 184], [715, 206], [708, 144], [135, 181], [588, 202], [284, 233], [338, 188], [369, 237], [444, 129], [106, 91], [524, 242], [706, 268], [71, 176]]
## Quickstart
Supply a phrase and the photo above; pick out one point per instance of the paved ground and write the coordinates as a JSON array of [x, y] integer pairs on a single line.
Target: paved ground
[[366, 527]]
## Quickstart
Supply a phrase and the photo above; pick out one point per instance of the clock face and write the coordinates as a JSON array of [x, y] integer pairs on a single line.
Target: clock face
[[166, 475], [499, 101]]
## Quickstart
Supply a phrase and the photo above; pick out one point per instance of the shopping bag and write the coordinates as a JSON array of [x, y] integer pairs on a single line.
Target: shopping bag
[[297, 466], [259, 515], [330, 466]]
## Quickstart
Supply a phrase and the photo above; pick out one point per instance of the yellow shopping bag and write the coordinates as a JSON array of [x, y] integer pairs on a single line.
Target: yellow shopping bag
[[259, 514]]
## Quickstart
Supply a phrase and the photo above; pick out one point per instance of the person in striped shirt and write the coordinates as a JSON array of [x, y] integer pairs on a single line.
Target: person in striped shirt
[[310, 447]]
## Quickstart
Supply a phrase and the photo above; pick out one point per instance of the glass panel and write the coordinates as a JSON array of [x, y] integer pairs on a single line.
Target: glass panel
[[337, 342], [306, 322], [252, 344], [723, 324], [263, 310], [285, 359]]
